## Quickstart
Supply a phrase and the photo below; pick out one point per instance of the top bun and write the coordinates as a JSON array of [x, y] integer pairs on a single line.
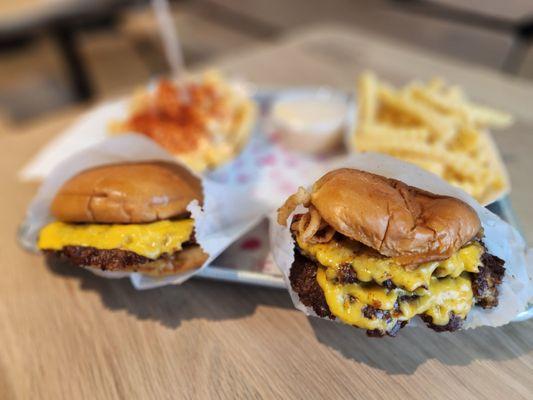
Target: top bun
[[397, 220], [127, 193]]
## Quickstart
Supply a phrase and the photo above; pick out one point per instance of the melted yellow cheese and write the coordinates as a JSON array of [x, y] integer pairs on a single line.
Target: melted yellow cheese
[[435, 288], [468, 259], [148, 240], [350, 309], [370, 266], [443, 296]]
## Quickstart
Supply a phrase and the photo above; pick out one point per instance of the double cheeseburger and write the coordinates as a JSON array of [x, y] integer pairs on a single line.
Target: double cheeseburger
[[128, 217], [374, 253]]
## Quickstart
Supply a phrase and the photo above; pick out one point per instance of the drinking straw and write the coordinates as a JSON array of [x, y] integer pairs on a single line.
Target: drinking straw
[[169, 36]]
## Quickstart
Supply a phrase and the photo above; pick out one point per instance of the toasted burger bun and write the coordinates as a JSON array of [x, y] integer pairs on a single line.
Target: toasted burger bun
[[124, 193], [397, 220], [185, 260]]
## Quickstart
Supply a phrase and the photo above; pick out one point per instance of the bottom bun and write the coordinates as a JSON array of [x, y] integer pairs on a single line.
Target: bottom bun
[[190, 258]]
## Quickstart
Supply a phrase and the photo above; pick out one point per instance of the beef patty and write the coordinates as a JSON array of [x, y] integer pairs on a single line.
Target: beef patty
[[303, 281], [190, 256], [485, 283]]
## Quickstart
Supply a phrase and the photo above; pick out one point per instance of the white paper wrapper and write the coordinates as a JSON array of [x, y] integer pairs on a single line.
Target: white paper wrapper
[[226, 215], [501, 239]]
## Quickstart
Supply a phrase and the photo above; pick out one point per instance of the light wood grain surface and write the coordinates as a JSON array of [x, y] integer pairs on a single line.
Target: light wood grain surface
[[67, 334]]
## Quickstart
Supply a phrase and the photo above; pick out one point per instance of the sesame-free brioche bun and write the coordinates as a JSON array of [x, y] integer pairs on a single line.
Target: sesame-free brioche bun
[[136, 192], [397, 220]]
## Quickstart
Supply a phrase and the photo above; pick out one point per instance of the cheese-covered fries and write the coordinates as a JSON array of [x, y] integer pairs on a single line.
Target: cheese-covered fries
[[204, 121]]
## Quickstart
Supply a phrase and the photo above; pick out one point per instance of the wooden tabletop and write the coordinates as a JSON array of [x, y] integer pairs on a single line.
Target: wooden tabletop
[[67, 334]]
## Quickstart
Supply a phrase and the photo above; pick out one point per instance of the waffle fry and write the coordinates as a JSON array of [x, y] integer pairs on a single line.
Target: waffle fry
[[435, 126], [485, 116], [432, 166], [404, 103], [368, 105], [382, 131]]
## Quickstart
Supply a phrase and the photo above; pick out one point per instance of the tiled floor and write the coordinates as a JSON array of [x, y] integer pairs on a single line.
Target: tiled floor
[[33, 79]]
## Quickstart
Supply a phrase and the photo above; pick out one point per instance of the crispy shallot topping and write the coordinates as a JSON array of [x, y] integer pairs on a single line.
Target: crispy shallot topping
[[301, 197], [310, 226]]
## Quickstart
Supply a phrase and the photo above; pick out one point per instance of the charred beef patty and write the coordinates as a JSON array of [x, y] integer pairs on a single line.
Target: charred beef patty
[[373, 313], [303, 281], [392, 333], [485, 283], [111, 260], [455, 323]]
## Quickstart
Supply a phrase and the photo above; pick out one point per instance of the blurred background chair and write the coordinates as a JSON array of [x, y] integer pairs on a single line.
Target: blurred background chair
[[56, 53]]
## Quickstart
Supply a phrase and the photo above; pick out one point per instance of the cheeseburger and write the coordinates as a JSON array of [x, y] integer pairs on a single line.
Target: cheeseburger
[[375, 253], [129, 217]]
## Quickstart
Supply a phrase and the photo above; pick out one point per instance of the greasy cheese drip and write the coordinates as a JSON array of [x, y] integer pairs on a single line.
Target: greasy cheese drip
[[443, 297], [349, 310], [370, 266], [435, 289], [148, 240], [347, 302]]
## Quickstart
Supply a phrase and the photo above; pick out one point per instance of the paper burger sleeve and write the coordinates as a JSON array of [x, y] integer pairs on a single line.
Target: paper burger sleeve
[[500, 238], [226, 213]]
